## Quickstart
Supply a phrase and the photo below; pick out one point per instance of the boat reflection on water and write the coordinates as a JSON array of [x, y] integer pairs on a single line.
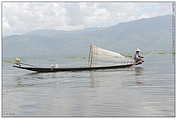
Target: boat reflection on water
[[138, 73], [92, 78], [128, 76], [36, 79]]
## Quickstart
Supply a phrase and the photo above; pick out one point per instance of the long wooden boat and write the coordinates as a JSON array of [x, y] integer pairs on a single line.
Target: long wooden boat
[[91, 65], [71, 69]]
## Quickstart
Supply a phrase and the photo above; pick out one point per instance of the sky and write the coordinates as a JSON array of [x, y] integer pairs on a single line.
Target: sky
[[22, 17]]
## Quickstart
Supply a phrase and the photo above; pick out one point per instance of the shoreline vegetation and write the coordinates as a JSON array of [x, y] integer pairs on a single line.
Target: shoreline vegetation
[[85, 58]]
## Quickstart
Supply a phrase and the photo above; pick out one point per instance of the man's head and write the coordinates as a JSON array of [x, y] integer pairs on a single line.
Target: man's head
[[138, 50]]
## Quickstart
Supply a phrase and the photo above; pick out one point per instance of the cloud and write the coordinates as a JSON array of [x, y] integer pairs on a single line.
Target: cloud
[[21, 17], [24, 17]]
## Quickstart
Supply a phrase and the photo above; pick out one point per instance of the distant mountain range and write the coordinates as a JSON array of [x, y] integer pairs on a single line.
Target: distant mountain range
[[147, 34]]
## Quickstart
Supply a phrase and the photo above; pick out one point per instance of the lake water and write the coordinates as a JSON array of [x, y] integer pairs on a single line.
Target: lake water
[[145, 90]]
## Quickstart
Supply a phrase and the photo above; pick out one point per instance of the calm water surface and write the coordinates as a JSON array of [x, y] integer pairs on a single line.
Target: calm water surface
[[145, 90]]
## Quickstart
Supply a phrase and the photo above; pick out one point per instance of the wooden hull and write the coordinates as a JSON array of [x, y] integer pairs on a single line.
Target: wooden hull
[[72, 69]]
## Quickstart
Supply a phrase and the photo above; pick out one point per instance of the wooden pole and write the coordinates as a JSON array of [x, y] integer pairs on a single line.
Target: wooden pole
[[93, 57], [89, 56]]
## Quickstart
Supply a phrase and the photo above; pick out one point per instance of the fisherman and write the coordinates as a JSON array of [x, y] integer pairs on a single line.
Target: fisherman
[[137, 57], [18, 61]]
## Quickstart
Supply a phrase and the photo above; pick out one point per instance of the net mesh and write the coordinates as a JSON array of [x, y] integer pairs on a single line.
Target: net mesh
[[102, 57]]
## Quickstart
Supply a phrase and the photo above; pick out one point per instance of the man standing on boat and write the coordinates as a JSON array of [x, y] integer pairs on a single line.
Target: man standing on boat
[[137, 57]]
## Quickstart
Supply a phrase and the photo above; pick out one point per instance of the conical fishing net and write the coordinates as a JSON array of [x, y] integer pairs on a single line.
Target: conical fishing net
[[102, 57]]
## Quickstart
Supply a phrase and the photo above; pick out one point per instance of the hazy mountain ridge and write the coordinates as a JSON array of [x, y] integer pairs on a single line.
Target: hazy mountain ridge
[[148, 34]]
